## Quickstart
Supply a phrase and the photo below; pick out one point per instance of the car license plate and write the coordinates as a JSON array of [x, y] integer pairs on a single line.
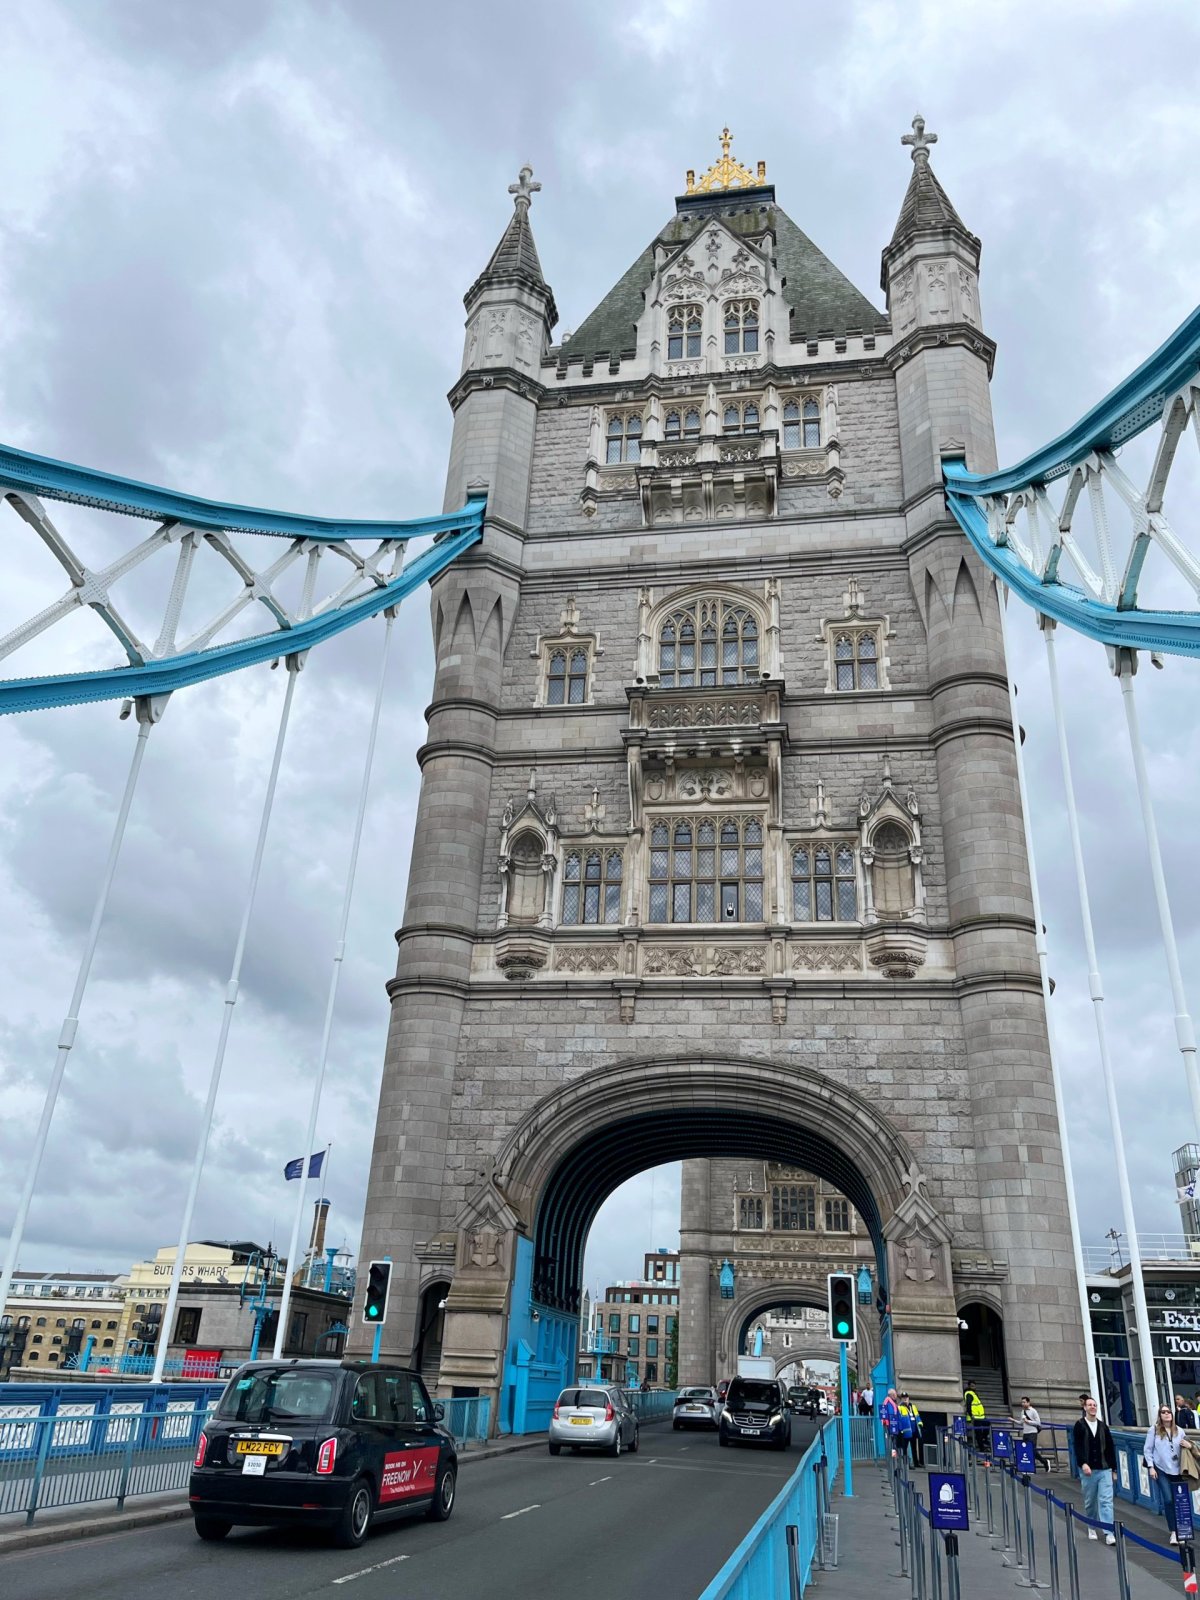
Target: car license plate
[[697, 1408], [581, 1422], [748, 1430], [260, 1447], [254, 1466]]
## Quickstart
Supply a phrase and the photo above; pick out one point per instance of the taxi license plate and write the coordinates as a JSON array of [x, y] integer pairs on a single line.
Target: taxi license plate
[[748, 1430], [260, 1447], [581, 1422]]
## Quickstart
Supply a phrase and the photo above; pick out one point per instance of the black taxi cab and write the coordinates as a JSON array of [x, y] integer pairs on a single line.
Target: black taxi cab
[[333, 1444]]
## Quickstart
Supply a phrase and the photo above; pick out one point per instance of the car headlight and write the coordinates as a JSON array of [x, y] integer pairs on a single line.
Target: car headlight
[[776, 1416]]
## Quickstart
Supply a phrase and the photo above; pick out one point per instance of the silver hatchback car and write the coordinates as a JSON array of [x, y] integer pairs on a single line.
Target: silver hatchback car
[[593, 1417]]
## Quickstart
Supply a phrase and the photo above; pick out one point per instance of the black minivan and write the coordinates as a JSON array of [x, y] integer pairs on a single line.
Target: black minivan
[[327, 1443], [755, 1410]]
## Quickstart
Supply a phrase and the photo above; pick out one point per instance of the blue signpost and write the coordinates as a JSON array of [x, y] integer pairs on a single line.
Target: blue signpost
[[1002, 1446], [949, 1516], [1025, 1456]]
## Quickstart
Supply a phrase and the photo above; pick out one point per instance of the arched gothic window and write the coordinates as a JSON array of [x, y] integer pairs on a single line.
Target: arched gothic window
[[750, 1211], [702, 870], [591, 886], [683, 425], [802, 424], [794, 1207], [856, 659], [566, 678], [893, 883], [741, 327], [707, 643], [624, 442], [740, 419], [823, 884], [683, 332]]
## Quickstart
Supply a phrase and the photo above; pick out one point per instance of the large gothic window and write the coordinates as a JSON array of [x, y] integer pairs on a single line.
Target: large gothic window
[[707, 643], [624, 441], [591, 886], [893, 884], [683, 333], [856, 659], [794, 1207], [823, 883], [741, 327], [706, 870]]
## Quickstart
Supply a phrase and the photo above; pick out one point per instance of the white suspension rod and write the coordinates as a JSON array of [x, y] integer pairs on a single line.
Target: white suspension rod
[[1096, 987], [339, 952], [148, 713], [1185, 1033], [231, 996], [1051, 1037]]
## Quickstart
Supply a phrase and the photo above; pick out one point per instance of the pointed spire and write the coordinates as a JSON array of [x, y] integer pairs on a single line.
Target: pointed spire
[[515, 259], [926, 204]]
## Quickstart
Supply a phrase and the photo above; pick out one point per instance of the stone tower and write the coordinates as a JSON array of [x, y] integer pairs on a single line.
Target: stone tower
[[718, 852]]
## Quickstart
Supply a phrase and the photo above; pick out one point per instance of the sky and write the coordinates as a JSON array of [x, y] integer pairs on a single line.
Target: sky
[[234, 240]]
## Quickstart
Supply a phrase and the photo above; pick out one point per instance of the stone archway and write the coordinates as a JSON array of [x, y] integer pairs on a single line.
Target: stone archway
[[513, 1303], [757, 1299]]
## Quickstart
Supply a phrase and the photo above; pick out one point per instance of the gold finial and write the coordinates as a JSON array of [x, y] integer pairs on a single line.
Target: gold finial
[[727, 173]]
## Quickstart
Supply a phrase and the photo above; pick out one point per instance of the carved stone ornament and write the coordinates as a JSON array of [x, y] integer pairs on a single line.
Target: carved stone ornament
[[921, 1258], [706, 714], [714, 783], [674, 961], [483, 1248], [520, 953], [588, 958], [897, 952], [841, 957], [700, 961]]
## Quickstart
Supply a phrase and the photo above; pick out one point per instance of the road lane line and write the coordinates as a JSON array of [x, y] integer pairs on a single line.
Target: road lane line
[[379, 1565], [595, 1481], [509, 1515]]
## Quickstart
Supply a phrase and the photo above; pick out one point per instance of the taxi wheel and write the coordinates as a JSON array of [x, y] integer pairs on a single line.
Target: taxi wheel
[[355, 1519], [212, 1528], [555, 1448], [442, 1503]]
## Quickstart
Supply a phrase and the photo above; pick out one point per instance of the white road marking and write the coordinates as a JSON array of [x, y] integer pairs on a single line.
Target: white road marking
[[350, 1576], [509, 1515], [595, 1481]]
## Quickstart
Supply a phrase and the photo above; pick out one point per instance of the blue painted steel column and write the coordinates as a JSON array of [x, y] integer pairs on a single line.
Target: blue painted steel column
[[844, 1367]]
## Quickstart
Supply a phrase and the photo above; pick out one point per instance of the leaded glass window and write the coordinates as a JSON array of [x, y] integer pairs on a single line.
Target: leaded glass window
[[837, 1216], [740, 419], [750, 1211], [566, 677], [794, 1207], [683, 333], [708, 643], [823, 883], [812, 424], [802, 423], [741, 327], [856, 659], [624, 441], [591, 886], [702, 870]]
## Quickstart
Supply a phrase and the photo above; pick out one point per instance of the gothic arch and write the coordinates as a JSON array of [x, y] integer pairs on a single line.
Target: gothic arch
[[574, 1147], [691, 597], [759, 1298]]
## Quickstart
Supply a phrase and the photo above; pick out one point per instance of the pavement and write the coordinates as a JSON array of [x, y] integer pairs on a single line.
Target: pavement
[[869, 1549], [651, 1526]]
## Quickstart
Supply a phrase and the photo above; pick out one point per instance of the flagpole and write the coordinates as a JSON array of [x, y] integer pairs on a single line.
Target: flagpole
[[231, 994], [339, 952]]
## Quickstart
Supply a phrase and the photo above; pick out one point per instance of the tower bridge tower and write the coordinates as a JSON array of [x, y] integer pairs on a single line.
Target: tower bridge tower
[[719, 850]]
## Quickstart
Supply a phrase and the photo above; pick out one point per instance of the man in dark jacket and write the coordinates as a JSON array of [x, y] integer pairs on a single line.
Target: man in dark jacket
[[1096, 1455], [1185, 1417]]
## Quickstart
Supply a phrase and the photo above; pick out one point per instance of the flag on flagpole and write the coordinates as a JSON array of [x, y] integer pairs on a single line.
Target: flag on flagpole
[[1185, 1192], [295, 1169]]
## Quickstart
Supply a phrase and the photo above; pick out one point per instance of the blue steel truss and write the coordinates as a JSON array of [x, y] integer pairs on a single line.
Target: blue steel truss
[[186, 523], [991, 509]]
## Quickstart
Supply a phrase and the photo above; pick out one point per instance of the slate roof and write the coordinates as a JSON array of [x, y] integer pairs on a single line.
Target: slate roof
[[822, 299], [515, 260], [926, 205]]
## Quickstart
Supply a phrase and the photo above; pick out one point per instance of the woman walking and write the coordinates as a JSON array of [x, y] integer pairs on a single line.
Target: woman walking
[[1161, 1452]]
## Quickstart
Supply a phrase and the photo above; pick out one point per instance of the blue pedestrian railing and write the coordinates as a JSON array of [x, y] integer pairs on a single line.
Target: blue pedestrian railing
[[467, 1418], [651, 1405], [787, 1538]]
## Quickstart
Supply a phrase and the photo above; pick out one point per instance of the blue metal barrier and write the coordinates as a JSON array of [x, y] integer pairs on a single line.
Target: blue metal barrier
[[651, 1405], [758, 1568], [468, 1418]]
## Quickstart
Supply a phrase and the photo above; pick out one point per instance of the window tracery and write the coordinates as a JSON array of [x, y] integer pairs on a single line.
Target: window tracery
[[623, 443], [567, 676], [794, 1207], [592, 881], [802, 423], [681, 426], [824, 883], [739, 419], [684, 328], [741, 327], [708, 642], [750, 1211], [706, 869], [856, 659]]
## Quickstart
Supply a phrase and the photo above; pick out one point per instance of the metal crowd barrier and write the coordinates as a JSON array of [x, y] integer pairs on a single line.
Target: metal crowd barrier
[[651, 1405], [467, 1418]]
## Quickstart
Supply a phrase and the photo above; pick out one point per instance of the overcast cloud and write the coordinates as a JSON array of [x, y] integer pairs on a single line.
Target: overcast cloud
[[234, 240]]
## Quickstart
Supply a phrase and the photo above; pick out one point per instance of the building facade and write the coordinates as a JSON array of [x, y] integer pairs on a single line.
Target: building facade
[[49, 1317], [719, 849], [635, 1326]]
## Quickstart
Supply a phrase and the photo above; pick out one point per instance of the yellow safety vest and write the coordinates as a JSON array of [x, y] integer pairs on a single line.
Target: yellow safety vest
[[974, 1404]]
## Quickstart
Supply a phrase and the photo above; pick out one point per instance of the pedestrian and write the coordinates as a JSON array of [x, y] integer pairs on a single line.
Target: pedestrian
[[1097, 1457], [1185, 1417], [889, 1415], [973, 1408], [1031, 1426], [909, 1428], [1161, 1452], [866, 1401]]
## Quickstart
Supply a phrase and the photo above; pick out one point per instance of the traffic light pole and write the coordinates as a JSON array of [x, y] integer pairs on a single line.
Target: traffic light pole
[[845, 1374], [378, 1341]]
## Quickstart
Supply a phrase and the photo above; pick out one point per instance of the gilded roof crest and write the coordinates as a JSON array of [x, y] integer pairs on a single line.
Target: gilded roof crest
[[726, 173]]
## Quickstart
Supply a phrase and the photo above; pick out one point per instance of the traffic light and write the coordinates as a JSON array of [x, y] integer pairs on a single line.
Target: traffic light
[[842, 1298], [379, 1282]]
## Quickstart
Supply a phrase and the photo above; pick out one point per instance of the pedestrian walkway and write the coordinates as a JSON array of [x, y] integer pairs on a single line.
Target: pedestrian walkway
[[869, 1553]]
